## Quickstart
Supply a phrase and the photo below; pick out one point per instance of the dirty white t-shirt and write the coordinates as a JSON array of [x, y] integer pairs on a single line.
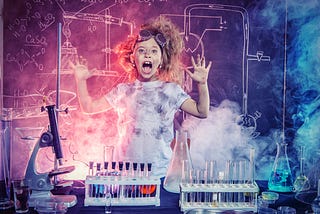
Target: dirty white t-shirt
[[146, 112]]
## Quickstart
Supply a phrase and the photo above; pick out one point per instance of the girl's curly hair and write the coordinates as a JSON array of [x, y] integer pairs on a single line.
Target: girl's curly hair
[[171, 66]]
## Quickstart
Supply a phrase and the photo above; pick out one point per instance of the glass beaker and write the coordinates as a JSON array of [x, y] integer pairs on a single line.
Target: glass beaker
[[5, 151], [180, 156], [280, 179]]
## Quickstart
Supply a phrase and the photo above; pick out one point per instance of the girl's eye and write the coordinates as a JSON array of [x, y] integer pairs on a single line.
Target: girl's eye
[[141, 51], [154, 51]]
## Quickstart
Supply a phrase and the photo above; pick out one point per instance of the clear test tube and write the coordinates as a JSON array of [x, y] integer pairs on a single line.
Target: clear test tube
[[250, 181], [211, 169], [105, 167], [242, 179], [228, 180], [121, 187], [99, 187], [197, 186], [185, 178], [202, 180], [151, 188], [90, 173], [235, 179], [221, 195], [113, 168], [251, 167], [113, 187], [192, 176], [127, 174], [142, 177], [134, 188]]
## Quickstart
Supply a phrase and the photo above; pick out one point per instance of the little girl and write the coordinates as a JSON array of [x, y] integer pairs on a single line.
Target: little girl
[[147, 104]]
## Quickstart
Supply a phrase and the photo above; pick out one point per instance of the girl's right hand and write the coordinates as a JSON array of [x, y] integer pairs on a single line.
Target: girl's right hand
[[81, 71]]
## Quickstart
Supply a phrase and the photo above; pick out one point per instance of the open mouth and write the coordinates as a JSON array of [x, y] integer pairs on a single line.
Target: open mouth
[[147, 66]]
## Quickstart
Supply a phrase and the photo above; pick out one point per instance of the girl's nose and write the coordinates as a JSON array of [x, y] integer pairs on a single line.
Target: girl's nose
[[147, 53]]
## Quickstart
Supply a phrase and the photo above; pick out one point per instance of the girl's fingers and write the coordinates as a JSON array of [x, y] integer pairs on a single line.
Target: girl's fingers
[[193, 62]]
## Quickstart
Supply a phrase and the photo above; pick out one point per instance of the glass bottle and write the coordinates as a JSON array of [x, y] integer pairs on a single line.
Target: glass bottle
[[316, 202], [181, 154], [280, 179]]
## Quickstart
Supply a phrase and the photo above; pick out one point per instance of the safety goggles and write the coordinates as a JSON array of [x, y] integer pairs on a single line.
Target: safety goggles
[[146, 35]]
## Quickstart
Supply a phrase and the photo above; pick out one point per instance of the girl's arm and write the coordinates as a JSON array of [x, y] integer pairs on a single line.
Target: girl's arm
[[87, 104], [200, 75]]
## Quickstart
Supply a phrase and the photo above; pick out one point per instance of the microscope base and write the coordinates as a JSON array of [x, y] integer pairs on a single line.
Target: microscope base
[[68, 200]]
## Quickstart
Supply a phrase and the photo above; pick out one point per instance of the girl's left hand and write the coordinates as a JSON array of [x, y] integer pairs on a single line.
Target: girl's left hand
[[201, 71]]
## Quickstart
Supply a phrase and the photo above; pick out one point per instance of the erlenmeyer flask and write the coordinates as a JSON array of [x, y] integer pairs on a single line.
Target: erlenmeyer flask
[[180, 156], [281, 178]]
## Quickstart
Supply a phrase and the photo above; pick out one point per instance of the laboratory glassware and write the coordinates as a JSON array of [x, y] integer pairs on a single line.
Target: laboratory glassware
[[316, 202], [280, 179], [5, 145], [180, 154], [302, 182]]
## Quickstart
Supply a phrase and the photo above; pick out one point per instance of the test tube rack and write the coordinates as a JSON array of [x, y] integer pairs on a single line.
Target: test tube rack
[[219, 197], [125, 190]]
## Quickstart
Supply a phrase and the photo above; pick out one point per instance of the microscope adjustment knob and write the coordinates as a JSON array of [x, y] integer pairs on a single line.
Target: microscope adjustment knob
[[41, 183], [46, 139]]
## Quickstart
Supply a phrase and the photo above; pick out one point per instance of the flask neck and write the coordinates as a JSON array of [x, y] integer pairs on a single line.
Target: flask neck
[[282, 149]]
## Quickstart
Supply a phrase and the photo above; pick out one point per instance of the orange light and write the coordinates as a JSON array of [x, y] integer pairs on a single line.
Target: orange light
[[147, 189]]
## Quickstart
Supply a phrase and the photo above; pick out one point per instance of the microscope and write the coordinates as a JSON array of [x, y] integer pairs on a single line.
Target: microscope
[[41, 184]]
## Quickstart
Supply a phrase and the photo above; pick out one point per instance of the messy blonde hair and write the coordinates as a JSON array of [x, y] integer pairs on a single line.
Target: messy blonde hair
[[171, 67]]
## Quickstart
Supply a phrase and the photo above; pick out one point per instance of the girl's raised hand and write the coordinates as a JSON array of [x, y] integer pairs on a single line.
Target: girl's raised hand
[[81, 70], [201, 71]]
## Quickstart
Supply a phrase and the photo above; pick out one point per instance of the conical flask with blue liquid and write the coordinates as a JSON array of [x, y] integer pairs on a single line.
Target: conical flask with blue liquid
[[281, 179]]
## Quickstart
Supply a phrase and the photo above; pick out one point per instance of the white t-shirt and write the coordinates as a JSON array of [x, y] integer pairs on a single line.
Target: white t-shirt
[[146, 113]]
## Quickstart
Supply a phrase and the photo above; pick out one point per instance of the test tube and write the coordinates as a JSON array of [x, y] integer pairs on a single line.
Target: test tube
[[142, 176], [151, 188], [127, 168], [227, 178], [99, 187], [106, 163], [121, 187], [90, 173], [185, 172], [252, 166], [210, 168], [221, 195], [192, 195], [134, 174], [242, 179], [127, 174], [91, 168]]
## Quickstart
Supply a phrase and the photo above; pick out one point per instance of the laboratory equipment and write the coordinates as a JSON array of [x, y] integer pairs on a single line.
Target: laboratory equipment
[[138, 188], [230, 189], [42, 183], [316, 202], [5, 144], [29, 135], [280, 179], [301, 182], [180, 154]]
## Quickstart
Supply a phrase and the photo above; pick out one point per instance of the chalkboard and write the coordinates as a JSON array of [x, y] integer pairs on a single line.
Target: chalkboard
[[246, 82]]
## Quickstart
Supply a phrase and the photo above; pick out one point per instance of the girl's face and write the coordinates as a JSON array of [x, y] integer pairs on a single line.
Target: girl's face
[[147, 58]]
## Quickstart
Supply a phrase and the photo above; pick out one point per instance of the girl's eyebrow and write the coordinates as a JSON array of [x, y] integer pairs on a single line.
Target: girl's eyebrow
[[142, 46]]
